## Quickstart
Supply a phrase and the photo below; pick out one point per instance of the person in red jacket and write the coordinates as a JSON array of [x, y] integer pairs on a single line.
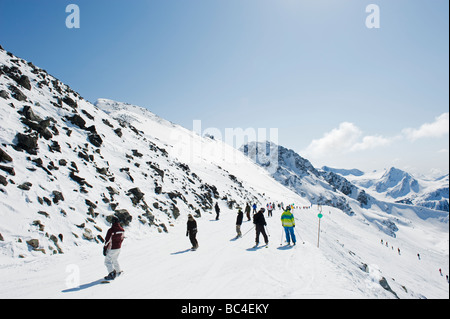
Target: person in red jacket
[[111, 250]]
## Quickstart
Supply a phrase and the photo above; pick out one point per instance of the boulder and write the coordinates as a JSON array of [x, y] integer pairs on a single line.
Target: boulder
[[124, 217], [87, 234], [17, 94], [4, 157], [24, 82], [4, 94], [95, 139], [70, 102], [27, 142], [34, 243]]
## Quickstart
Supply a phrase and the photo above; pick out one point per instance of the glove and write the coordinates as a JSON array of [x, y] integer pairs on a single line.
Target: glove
[[105, 251]]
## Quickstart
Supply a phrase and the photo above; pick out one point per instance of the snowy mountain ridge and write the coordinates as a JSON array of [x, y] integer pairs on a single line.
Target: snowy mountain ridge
[[398, 186], [67, 166]]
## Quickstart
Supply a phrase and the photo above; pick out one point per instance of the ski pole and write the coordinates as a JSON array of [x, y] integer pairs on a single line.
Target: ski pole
[[281, 240], [299, 235], [267, 229], [248, 231]]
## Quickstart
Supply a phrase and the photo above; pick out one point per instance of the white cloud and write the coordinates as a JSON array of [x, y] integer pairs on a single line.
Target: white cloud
[[348, 138], [371, 142], [338, 140], [438, 128], [344, 139]]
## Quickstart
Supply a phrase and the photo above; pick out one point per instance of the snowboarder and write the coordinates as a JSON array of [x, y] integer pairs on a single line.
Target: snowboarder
[[288, 222], [240, 216], [260, 223], [247, 211], [192, 231], [217, 208], [111, 249]]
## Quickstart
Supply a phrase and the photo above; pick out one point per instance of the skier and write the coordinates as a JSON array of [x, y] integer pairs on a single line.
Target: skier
[[240, 216], [269, 209], [111, 249], [254, 209], [260, 223], [247, 211], [217, 208], [192, 231], [288, 222]]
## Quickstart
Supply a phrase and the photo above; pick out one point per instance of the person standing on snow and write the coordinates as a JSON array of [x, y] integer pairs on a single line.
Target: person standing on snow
[[260, 223], [240, 216], [270, 209], [288, 222], [111, 249], [217, 208], [247, 211], [192, 231], [254, 209]]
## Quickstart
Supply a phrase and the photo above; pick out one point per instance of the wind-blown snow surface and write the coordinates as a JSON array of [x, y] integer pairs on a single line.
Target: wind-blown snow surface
[[350, 262]]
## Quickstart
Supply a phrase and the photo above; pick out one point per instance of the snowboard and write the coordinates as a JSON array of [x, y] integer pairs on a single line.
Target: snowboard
[[108, 281]]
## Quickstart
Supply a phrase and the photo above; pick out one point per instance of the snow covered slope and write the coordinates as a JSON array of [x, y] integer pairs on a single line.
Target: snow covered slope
[[67, 166]]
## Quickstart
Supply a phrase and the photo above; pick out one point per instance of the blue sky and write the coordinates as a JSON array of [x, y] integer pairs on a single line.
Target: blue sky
[[339, 93]]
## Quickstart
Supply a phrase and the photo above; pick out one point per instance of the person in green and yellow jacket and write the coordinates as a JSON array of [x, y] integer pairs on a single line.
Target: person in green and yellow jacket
[[288, 222]]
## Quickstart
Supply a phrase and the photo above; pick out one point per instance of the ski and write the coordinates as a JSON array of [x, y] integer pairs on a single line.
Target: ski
[[263, 246]]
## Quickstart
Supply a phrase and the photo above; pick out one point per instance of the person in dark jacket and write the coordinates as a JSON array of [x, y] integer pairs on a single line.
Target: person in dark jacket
[[111, 249], [240, 216], [247, 212], [260, 223], [217, 208], [192, 231]]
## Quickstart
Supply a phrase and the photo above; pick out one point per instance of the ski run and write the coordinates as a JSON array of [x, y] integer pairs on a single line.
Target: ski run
[[350, 265]]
